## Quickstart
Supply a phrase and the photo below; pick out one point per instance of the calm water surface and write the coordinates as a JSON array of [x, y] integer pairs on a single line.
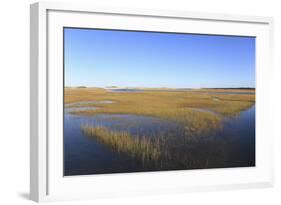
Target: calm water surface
[[84, 155]]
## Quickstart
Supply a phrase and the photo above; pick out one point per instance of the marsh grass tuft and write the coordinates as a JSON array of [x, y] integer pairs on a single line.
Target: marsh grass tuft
[[141, 148], [161, 152]]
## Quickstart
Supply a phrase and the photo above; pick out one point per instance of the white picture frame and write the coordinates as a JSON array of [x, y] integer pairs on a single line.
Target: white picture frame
[[47, 182]]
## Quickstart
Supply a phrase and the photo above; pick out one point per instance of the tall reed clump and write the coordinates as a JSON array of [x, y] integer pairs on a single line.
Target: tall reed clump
[[137, 147], [160, 153]]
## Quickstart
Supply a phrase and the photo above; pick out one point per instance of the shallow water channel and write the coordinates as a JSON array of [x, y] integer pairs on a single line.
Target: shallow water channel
[[233, 145]]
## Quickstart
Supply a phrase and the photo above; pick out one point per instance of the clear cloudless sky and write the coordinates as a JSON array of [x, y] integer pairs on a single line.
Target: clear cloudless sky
[[101, 58]]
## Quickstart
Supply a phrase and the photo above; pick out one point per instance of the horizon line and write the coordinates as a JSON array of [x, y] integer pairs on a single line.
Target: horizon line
[[134, 87]]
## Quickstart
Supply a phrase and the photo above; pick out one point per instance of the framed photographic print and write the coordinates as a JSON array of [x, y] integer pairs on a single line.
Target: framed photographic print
[[127, 102]]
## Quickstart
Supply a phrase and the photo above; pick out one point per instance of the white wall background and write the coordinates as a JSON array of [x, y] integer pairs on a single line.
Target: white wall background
[[14, 101]]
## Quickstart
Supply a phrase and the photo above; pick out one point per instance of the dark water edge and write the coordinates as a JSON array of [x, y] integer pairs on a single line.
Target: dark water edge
[[84, 155]]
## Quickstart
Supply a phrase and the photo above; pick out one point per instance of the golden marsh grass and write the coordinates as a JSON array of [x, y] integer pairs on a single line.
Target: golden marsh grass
[[140, 148], [178, 106], [162, 151]]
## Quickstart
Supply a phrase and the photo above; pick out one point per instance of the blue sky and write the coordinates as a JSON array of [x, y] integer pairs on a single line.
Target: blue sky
[[101, 58]]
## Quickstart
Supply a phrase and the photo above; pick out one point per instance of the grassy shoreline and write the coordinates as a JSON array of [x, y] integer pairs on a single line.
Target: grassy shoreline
[[176, 106]]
